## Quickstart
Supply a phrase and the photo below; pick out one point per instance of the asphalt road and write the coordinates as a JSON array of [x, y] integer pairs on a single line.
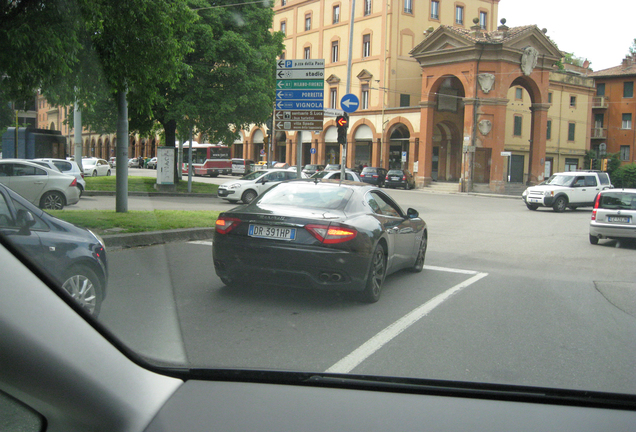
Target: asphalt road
[[508, 296]]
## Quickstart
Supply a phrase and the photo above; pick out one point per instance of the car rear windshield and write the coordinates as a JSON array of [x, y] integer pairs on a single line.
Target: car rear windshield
[[307, 195], [604, 178], [395, 172], [618, 201], [371, 170]]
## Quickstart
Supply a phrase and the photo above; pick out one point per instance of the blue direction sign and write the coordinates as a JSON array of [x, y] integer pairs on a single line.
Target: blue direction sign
[[299, 105], [349, 103], [300, 94]]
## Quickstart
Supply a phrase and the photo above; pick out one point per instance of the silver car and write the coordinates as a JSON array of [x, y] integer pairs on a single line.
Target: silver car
[[614, 215], [42, 186]]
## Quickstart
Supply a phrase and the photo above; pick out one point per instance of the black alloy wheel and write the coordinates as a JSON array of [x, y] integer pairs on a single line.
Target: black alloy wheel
[[421, 255], [52, 201], [560, 204], [375, 278]]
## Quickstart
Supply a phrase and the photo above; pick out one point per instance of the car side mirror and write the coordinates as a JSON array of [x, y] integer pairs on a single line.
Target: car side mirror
[[25, 219], [412, 213]]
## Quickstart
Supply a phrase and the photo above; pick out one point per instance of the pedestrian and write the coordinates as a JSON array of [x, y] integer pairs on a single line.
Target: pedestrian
[[141, 161]]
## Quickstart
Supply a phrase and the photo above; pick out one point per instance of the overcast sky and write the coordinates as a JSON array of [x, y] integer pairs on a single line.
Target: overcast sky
[[600, 30]]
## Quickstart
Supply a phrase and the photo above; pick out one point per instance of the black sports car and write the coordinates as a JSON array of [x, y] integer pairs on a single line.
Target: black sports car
[[319, 234], [74, 257]]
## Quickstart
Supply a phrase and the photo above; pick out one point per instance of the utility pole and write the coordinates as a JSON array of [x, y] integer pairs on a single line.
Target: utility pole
[[121, 168], [346, 125]]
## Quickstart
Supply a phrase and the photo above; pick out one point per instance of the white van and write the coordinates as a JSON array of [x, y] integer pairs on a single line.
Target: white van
[[241, 166]]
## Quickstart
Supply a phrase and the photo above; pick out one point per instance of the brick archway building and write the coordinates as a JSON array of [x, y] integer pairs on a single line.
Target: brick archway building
[[466, 76]]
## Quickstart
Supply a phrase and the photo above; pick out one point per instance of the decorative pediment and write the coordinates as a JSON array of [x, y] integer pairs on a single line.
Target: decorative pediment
[[441, 39], [447, 43], [364, 75], [333, 79], [533, 38]]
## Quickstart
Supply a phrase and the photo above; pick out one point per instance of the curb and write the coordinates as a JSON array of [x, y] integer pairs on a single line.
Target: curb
[[124, 241], [148, 194]]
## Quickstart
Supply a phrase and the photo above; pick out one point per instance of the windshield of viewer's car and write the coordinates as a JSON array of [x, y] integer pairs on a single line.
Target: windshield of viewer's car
[[193, 265]]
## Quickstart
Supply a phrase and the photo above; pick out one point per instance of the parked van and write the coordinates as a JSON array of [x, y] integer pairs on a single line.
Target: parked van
[[241, 166]]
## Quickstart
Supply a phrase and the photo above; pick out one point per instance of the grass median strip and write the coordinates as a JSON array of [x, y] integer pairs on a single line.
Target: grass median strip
[[104, 222], [145, 184]]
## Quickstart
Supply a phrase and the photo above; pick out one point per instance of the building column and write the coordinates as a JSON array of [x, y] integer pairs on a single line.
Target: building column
[[538, 138], [375, 152], [468, 149], [425, 149]]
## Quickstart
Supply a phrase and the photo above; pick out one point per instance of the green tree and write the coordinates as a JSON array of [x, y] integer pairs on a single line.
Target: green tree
[[231, 79]]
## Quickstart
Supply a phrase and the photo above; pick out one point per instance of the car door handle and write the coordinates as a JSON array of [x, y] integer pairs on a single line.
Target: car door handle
[[393, 230]]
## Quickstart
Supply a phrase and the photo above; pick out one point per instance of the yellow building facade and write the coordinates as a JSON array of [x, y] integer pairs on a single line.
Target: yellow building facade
[[385, 77], [570, 96]]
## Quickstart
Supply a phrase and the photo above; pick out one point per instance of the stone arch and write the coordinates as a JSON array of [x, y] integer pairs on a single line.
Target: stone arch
[[457, 82], [257, 137], [447, 159], [362, 148]]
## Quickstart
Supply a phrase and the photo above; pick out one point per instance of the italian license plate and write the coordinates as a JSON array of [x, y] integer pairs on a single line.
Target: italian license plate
[[273, 232], [395, 178], [619, 219]]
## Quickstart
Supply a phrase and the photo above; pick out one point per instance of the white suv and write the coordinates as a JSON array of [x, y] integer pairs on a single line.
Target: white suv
[[567, 190]]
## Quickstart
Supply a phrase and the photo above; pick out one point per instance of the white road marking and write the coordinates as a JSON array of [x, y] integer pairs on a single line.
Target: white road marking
[[365, 350], [201, 242]]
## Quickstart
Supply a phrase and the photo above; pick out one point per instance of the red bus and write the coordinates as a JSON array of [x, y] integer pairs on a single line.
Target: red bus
[[207, 159]]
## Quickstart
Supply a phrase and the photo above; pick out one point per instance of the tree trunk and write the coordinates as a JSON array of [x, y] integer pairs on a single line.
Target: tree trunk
[[170, 129]]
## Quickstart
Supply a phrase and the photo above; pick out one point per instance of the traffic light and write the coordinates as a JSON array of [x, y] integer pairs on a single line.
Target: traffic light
[[343, 123], [603, 164]]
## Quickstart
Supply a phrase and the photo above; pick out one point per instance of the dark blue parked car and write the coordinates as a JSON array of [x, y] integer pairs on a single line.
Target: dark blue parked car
[[73, 257]]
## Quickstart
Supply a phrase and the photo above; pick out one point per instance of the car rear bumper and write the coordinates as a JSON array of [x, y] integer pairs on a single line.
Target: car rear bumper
[[280, 263], [604, 230]]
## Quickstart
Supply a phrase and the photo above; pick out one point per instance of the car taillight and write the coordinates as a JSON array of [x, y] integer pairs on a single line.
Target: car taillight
[[596, 204], [404, 177], [226, 224], [74, 182], [332, 234]]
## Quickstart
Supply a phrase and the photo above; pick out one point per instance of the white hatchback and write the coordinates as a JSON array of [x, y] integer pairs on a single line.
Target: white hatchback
[[42, 186], [247, 188], [95, 167], [614, 215]]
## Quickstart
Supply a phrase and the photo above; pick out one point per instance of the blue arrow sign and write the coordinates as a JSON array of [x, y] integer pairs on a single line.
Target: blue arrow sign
[[349, 103], [300, 94], [299, 105]]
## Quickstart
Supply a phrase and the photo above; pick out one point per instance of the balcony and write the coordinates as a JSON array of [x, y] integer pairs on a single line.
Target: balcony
[[599, 133], [600, 102]]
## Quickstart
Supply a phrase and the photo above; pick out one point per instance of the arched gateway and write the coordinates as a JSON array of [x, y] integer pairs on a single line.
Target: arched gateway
[[466, 75]]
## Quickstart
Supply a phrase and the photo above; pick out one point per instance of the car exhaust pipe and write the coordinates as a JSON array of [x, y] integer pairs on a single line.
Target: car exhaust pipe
[[330, 277]]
